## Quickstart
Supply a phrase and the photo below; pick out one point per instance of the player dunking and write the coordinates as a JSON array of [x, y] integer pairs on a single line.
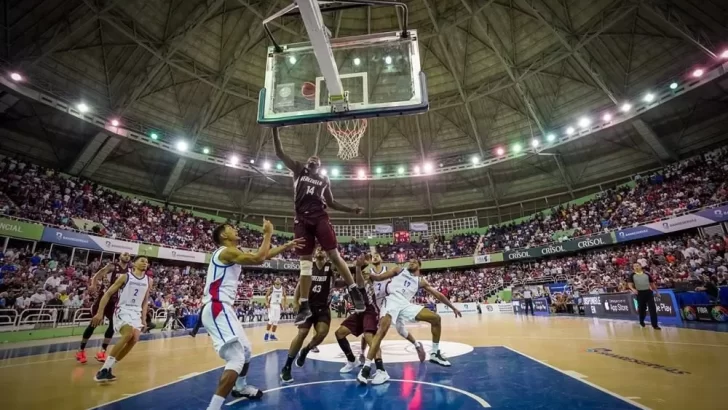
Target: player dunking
[[320, 298], [218, 315], [115, 269], [130, 313], [375, 280], [275, 298], [398, 306], [312, 194]]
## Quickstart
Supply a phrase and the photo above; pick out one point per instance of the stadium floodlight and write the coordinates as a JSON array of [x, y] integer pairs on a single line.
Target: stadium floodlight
[[16, 77], [361, 174], [114, 123], [648, 98], [357, 61], [534, 143], [182, 146], [570, 131], [698, 72], [673, 85], [625, 107], [500, 151], [378, 170], [724, 54], [266, 165], [252, 161], [234, 160], [279, 166], [154, 136], [607, 117], [475, 159], [517, 147], [82, 107], [335, 172], [584, 122], [428, 167], [551, 137], [417, 170], [400, 170], [292, 59], [388, 60], [323, 171], [206, 150]]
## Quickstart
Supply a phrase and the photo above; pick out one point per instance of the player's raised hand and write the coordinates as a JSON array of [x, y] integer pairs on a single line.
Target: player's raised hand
[[267, 227], [297, 243], [358, 210], [457, 313], [362, 260]]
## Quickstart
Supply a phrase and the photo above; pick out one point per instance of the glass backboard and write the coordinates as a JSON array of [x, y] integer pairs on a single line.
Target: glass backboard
[[380, 74]]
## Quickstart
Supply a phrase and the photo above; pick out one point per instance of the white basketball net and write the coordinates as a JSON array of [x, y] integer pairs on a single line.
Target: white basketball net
[[348, 133]]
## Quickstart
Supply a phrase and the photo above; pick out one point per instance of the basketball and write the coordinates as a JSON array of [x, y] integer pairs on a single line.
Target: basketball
[[308, 90]]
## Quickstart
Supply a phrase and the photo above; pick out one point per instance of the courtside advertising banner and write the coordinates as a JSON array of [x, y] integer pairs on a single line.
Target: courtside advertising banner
[[464, 308], [181, 255], [679, 223], [20, 229], [624, 306], [69, 238]]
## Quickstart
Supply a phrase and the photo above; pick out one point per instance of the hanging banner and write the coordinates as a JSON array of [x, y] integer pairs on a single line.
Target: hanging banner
[[115, 245], [181, 255], [21, 230], [562, 247], [69, 238], [679, 223], [383, 228], [478, 259], [419, 226]]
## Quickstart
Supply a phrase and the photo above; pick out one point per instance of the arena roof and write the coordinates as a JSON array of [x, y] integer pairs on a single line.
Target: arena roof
[[499, 73]]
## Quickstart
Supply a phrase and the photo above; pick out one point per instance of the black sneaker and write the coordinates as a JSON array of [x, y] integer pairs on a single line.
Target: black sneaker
[[357, 299], [304, 312], [104, 376], [364, 375], [657, 327], [642, 324], [249, 392], [315, 350], [440, 359], [286, 375], [301, 359]]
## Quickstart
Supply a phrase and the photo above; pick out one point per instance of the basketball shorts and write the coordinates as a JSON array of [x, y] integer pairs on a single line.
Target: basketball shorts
[[359, 323], [318, 315], [312, 228], [274, 314], [108, 310], [127, 317], [400, 309], [224, 329]]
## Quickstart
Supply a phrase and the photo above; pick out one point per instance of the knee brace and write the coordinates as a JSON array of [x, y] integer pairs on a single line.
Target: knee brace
[[399, 325], [306, 268]]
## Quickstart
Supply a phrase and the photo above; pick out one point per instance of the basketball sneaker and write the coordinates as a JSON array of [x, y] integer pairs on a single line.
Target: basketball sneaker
[[273, 338], [315, 350], [440, 359], [420, 351], [265, 339], [286, 375], [304, 312], [81, 356], [101, 356], [380, 377], [301, 359], [357, 299], [349, 366], [104, 376], [364, 375], [249, 392]]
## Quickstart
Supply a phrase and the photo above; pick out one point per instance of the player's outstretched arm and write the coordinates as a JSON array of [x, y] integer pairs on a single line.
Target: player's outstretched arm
[[333, 204], [294, 244], [120, 281], [100, 274], [389, 274], [234, 255], [289, 162], [439, 296]]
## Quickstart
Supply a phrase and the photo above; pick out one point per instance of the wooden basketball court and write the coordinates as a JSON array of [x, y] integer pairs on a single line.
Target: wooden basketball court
[[516, 362]]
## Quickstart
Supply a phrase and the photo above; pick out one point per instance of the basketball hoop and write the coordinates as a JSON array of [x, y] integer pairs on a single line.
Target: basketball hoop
[[348, 133]]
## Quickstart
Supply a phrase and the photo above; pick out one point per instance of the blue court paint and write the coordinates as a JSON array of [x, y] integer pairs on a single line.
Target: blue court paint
[[499, 377]]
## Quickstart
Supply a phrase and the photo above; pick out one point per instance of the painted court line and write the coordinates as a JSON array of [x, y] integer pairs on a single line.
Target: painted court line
[[573, 374], [167, 384], [478, 399], [626, 399]]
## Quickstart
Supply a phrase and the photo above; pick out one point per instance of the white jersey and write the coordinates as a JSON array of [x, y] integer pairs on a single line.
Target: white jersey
[[132, 295], [380, 288], [276, 296], [404, 285], [221, 284]]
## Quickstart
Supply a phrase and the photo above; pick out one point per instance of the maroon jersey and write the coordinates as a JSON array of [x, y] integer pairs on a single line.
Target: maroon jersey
[[321, 281], [119, 269], [309, 187]]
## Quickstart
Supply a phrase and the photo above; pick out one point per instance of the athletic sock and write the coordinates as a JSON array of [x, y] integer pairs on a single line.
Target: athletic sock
[[216, 402], [289, 361], [379, 363], [303, 300], [104, 346], [83, 345], [346, 348], [368, 363], [109, 363], [352, 286], [435, 347]]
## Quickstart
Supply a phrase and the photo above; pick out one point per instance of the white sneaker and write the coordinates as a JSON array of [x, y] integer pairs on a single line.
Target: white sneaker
[[348, 367], [380, 377], [439, 358], [249, 392]]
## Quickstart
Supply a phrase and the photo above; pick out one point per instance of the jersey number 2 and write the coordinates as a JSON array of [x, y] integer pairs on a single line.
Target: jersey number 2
[[136, 292]]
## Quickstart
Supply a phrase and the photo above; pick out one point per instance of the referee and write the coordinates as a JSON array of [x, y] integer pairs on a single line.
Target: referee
[[528, 299], [642, 285]]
